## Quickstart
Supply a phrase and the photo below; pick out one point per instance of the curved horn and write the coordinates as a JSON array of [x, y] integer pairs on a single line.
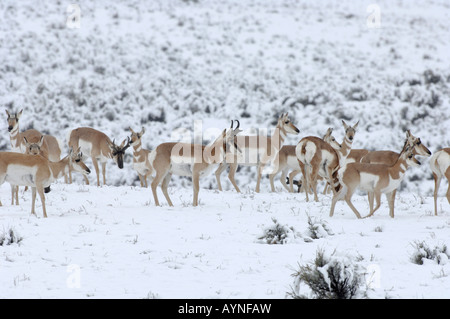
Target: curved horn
[[238, 124], [231, 124]]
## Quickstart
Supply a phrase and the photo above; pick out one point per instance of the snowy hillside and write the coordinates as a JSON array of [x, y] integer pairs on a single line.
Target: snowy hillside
[[164, 64]]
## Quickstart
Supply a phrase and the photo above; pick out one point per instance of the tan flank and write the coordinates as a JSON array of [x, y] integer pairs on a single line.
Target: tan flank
[[99, 148], [258, 151], [376, 178], [440, 166], [141, 163], [184, 159], [37, 172]]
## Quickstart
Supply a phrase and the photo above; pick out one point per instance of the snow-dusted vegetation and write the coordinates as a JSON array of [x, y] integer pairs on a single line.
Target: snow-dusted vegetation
[[163, 65]]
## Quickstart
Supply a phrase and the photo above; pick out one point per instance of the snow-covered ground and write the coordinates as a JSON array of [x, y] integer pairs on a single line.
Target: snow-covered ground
[[165, 64], [112, 242]]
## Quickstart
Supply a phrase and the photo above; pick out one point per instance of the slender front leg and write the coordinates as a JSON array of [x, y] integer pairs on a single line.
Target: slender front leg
[[196, 186], [164, 186], [104, 172], [40, 190], [231, 173], [95, 163], [219, 171], [33, 200]]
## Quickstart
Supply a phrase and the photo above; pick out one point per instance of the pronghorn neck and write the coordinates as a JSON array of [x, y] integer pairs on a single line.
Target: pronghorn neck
[[278, 136], [14, 137], [59, 169], [346, 147], [137, 148]]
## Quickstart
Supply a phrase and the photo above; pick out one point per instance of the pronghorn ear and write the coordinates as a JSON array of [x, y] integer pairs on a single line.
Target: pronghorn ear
[[131, 130], [41, 141], [356, 125], [345, 124], [408, 133], [26, 141], [19, 114], [7, 113], [142, 131]]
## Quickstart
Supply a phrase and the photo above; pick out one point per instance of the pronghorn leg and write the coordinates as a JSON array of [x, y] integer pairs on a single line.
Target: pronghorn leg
[[437, 183], [313, 182], [33, 200], [337, 197], [348, 200], [377, 196], [104, 172], [370, 197], [95, 163], [219, 171], [159, 176], [40, 190], [291, 180], [13, 193], [233, 168], [258, 176], [305, 185], [141, 179], [164, 186], [283, 179], [272, 186], [196, 186], [391, 200]]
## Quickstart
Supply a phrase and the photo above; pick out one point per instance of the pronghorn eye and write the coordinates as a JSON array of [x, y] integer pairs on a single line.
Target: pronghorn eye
[[287, 122], [77, 160]]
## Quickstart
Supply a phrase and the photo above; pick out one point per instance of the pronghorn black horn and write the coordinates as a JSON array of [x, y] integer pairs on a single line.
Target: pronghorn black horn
[[231, 124], [238, 124]]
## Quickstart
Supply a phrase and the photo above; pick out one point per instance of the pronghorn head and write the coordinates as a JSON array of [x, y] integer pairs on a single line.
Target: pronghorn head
[[76, 162], [33, 148], [13, 120], [329, 138], [416, 144], [136, 137], [408, 156], [350, 130], [118, 151], [285, 123], [229, 136]]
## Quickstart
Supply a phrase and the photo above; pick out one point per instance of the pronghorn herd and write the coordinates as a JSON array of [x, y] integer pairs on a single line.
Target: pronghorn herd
[[35, 161]]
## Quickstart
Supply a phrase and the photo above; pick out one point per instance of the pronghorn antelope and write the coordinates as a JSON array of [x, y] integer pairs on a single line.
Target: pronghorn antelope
[[98, 147], [375, 178], [49, 145], [440, 166], [319, 158], [141, 163], [287, 160], [390, 157], [37, 172], [258, 151], [185, 159]]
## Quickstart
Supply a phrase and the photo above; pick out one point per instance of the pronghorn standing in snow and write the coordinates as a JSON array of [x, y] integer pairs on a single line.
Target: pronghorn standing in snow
[[141, 162], [319, 158], [258, 151], [37, 172], [49, 145], [98, 147], [375, 178], [440, 166], [185, 159], [390, 157]]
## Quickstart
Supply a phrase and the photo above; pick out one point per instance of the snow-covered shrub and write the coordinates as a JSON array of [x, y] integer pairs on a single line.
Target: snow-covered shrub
[[10, 236], [318, 228], [328, 277], [277, 234], [424, 251]]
